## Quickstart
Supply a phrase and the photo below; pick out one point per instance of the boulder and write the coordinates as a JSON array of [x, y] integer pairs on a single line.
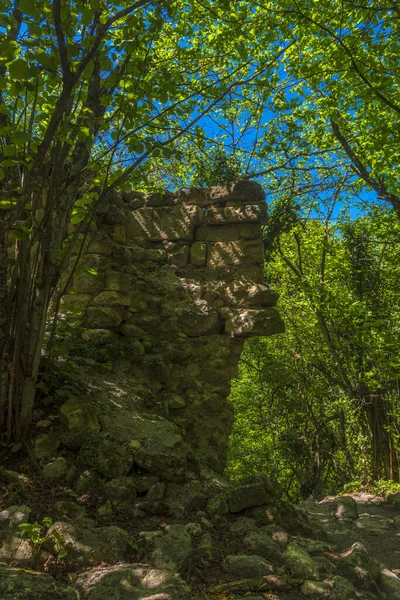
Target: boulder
[[242, 566], [158, 447], [262, 545], [253, 491], [344, 508], [394, 499], [110, 458], [342, 589], [18, 584], [121, 492], [130, 582], [299, 563], [206, 548], [244, 526], [171, 550], [46, 444], [78, 420], [69, 509], [88, 545], [359, 567], [56, 470], [315, 589]]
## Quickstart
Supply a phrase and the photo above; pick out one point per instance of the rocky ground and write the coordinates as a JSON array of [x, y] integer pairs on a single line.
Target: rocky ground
[[200, 540]]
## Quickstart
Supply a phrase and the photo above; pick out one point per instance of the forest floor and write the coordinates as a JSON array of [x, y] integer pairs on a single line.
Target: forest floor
[[377, 528]]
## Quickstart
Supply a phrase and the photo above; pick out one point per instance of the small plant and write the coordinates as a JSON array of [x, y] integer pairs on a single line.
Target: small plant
[[384, 488], [33, 531]]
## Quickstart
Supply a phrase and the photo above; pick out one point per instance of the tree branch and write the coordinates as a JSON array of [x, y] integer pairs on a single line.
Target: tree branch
[[62, 49], [362, 170]]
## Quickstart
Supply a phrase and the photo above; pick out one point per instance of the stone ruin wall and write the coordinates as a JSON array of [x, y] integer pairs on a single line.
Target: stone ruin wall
[[180, 277]]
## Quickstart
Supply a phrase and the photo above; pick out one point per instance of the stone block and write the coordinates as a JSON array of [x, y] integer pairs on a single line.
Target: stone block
[[195, 196], [89, 284], [118, 233], [179, 256], [250, 231], [112, 298], [198, 254], [165, 223], [223, 254], [156, 255], [100, 244], [77, 301], [117, 281], [98, 317], [241, 191], [219, 233], [252, 322], [250, 213]]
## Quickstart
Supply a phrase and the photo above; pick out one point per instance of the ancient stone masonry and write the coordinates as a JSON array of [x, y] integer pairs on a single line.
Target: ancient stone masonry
[[180, 277]]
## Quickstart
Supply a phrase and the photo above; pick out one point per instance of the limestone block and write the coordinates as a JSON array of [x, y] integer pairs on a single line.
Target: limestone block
[[156, 254], [195, 196], [240, 293], [89, 284], [179, 256], [99, 317], [250, 231], [223, 254], [113, 299], [244, 190], [117, 281], [242, 214], [129, 581], [100, 244], [30, 585], [165, 223], [155, 199], [252, 322], [118, 233], [77, 301], [199, 322], [94, 261], [219, 233], [88, 545], [198, 254]]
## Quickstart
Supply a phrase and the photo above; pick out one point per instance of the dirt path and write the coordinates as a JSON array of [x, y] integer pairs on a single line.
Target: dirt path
[[377, 528]]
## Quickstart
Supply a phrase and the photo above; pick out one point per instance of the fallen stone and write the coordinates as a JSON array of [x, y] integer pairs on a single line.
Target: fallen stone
[[359, 567], [46, 444], [130, 582], [317, 589], [56, 470], [253, 491], [86, 545], [170, 550], [243, 565], [110, 458], [344, 508], [262, 545], [342, 589], [18, 584], [299, 563]]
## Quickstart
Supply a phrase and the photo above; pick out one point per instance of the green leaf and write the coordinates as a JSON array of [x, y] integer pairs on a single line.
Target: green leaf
[[86, 16], [10, 150], [19, 69], [16, 447], [83, 134], [20, 138]]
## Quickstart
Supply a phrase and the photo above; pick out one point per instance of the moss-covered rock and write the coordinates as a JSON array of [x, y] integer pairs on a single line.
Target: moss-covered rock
[[130, 582], [110, 458], [299, 563], [172, 550], [243, 565], [46, 444], [88, 545], [56, 470], [18, 584], [344, 508], [262, 545]]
